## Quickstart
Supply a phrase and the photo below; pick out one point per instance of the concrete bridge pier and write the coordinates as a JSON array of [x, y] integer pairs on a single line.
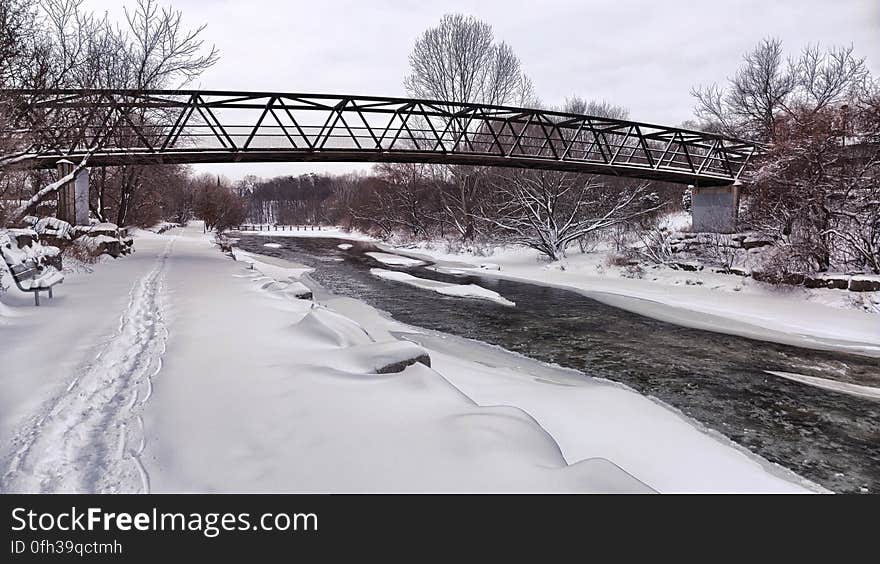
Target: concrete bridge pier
[[714, 209], [73, 197]]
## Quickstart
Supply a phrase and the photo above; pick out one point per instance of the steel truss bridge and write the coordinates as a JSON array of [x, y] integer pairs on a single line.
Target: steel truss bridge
[[119, 127]]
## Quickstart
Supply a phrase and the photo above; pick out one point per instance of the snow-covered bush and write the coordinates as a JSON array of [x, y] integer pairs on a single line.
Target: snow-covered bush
[[782, 265], [616, 260], [477, 247], [654, 243], [633, 271], [79, 254], [721, 251]]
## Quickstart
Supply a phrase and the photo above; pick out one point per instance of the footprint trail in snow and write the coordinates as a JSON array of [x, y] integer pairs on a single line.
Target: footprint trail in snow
[[90, 438]]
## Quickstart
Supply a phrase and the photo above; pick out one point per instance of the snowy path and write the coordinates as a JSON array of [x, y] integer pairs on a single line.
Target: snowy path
[[90, 438]]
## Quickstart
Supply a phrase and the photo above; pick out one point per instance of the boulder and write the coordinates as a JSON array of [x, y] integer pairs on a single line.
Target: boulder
[[688, 266], [790, 278], [753, 242], [299, 290], [827, 280], [103, 238], [388, 358], [733, 270], [101, 245], [54, 227], [22, 237], [865, 283]]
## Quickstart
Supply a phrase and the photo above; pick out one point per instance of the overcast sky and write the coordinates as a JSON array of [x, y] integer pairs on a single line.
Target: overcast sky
[[644, 55]]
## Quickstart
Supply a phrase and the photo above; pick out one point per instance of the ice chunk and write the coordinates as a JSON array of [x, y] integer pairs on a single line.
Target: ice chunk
[[395, 260], [445, 288]]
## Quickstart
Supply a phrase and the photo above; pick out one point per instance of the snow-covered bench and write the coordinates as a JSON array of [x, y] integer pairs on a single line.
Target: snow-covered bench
[[28, 275]]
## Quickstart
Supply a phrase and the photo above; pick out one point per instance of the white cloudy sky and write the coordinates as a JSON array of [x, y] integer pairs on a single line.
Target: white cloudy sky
[[641, 54]]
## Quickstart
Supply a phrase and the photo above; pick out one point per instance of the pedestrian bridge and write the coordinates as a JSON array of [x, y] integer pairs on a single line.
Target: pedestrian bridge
[[118, 127]]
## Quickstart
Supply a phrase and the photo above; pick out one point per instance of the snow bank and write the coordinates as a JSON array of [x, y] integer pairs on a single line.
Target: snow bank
[[279, 269], [395, 260], [284, 288], [325, 328], [445, 288], [282, 278]]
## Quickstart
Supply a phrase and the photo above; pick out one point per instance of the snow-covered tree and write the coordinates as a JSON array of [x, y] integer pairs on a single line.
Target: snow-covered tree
[[548, 211], [814, 185]]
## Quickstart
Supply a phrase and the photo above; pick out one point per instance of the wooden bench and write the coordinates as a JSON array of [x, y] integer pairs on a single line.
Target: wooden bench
[[30, 276]]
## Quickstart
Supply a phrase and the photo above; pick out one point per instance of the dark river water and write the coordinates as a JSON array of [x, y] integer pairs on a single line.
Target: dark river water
[[720, 380]]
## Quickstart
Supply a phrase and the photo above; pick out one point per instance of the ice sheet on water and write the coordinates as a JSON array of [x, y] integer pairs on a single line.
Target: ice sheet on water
[[446, 288], [395, 260]]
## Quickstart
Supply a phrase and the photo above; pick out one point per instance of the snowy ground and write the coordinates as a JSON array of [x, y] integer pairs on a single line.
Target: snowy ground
[[178, 369]]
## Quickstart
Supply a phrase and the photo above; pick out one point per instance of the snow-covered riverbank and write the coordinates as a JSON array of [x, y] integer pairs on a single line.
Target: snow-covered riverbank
[[203, 374], [724, 303], [703, 300]]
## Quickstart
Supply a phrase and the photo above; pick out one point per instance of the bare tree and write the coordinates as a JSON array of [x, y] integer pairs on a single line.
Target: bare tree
[[18, 27], [217, 204], [758, 91], [408, 201], [578, 105], [159, 53], [72, 48], [163, 52], [460, 61], [548, 211], [768, 86]]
